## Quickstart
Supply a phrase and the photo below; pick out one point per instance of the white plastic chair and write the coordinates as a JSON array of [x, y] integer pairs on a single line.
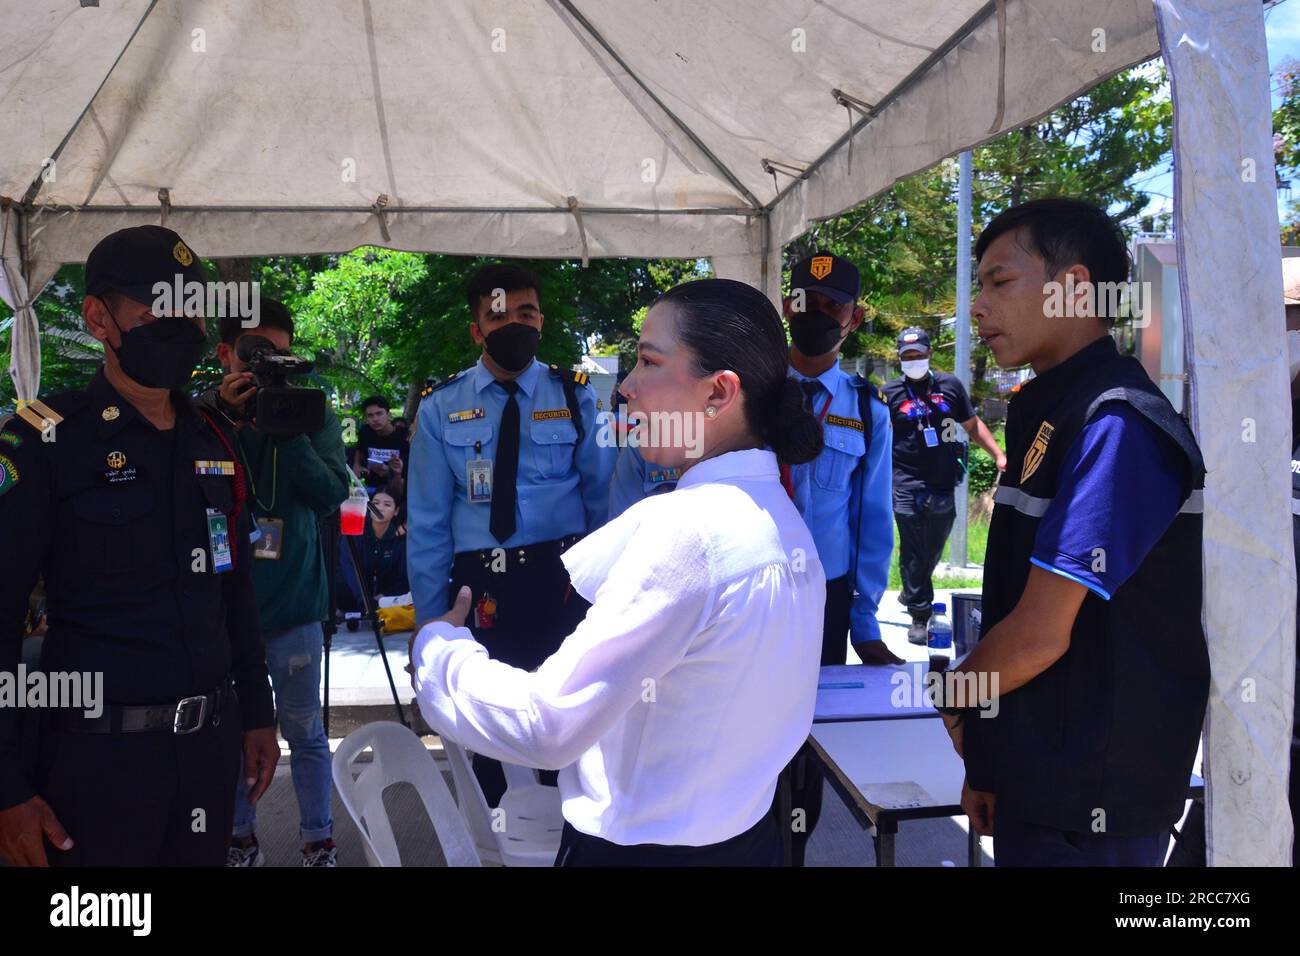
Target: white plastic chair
[[531, 824], [399, 757]]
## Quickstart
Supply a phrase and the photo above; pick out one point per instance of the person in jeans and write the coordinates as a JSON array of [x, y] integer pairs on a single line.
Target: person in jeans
[[925, 406], [292, 483]]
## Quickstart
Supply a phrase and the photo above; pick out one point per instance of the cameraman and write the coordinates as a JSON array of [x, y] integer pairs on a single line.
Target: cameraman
[[292, 482]]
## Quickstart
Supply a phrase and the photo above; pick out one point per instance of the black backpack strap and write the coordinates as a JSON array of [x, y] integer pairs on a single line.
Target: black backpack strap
[[569, 381], [866, 391]]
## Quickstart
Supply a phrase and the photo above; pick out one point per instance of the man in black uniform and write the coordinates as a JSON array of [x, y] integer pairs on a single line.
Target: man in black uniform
[[925, 406], [126, 498]]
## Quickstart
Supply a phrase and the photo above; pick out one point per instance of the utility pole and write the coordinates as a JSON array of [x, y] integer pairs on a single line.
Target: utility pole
[[957, 550]]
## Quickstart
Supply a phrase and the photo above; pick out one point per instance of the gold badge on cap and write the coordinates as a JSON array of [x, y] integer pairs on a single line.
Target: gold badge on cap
[[182, 254], [116, 459], [110, 413], [820, 267]]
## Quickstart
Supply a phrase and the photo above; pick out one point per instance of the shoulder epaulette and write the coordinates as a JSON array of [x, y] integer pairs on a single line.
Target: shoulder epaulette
[[36, 412], [876, 392], [580, 378], [432, 385]]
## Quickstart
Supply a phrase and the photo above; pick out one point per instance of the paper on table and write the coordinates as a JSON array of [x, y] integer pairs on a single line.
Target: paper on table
[[901, 795]]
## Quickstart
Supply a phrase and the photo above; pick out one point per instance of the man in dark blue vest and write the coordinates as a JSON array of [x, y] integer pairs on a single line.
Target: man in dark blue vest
[[1093, 667]]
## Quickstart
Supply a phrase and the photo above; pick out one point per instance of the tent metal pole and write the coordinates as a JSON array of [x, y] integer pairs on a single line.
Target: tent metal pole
[[677, 121], [745, 211], [903, 86], [34, 189]]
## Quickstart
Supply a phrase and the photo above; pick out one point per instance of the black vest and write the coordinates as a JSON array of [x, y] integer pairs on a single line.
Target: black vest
[[1114, 724]]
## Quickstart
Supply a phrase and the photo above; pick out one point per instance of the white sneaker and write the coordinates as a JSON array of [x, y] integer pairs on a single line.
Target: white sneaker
[[320, 853], [250, 855]]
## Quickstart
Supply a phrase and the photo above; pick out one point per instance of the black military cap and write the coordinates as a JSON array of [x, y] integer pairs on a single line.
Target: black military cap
[[131, 261], [833, 276]]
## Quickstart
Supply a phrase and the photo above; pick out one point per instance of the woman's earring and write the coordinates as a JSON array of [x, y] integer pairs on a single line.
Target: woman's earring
[[710, 411]]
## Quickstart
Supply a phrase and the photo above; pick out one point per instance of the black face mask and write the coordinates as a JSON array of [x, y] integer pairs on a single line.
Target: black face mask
[[161, 353], [513, 345], [815, 333]]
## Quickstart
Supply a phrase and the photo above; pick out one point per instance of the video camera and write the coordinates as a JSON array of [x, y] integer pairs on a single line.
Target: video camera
[[281, 410]]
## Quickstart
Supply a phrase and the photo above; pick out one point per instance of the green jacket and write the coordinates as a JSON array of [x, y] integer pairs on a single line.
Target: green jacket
[[299, 480]]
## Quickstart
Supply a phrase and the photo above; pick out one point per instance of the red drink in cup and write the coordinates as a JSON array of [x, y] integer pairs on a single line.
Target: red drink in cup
[[353, 513]]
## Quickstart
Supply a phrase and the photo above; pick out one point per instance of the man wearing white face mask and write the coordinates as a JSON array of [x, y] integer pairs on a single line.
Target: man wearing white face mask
[[926, 405]]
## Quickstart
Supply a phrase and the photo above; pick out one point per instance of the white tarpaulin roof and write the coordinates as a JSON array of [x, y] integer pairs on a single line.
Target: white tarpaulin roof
[[573, 128]]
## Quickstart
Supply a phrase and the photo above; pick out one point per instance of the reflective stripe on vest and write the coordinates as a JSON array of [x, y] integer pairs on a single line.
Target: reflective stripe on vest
[[1037, 507]]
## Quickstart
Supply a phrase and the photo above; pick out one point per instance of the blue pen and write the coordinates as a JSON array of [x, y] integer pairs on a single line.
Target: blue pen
[[837, 686]]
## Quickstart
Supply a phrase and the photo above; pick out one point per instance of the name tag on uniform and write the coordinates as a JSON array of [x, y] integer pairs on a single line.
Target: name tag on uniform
[[226, 468], [468, 415], [478, 480], [931, 437], [550, 414], [845, 423], [270, 538], [116, 476], [219, 541]]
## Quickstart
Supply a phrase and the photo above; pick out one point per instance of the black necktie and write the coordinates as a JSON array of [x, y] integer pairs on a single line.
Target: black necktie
[[505, 470], [810, 389]]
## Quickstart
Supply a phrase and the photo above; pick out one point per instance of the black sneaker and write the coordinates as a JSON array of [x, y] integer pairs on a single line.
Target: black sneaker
[[918, 632], [320, 853], [249, 854]]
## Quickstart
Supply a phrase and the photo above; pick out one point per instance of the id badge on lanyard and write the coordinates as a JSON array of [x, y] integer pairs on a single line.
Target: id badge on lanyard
[[928, 432], [219, 541], [478, 477]]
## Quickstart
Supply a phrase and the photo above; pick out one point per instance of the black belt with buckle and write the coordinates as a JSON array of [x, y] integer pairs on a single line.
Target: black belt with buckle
[[185, 716], [522, 555]]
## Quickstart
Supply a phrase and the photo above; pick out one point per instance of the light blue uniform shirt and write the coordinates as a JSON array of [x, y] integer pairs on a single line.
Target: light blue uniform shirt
[[839, 517], [635, 478], [558, 492]]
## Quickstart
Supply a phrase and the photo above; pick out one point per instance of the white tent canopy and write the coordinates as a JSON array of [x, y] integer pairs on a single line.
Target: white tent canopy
[[680, 128]]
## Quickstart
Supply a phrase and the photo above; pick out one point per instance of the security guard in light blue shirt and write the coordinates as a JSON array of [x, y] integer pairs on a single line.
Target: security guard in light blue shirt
[[844, 494], [844, 497], [506, 474]]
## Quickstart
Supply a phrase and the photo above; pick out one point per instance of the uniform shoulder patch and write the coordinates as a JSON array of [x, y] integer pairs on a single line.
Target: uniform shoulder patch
[[562, 373], [8, 473], [432, 385], [876, 391], [37, 413]]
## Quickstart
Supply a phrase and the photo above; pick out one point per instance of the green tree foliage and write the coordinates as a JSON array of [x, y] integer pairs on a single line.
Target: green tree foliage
[[904, 240]]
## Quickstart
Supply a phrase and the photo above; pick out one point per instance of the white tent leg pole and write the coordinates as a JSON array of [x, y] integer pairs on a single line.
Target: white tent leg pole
[[1230, 279]]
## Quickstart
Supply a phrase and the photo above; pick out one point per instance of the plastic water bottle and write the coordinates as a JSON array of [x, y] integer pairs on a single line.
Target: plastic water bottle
[[939, 637]]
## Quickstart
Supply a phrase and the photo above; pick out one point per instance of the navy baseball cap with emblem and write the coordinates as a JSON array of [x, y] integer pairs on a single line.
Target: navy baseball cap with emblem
[[131, 261], [913, 339], [833, 276]]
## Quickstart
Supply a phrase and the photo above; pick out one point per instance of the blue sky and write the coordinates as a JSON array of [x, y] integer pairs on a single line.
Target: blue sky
[[1282, 28]]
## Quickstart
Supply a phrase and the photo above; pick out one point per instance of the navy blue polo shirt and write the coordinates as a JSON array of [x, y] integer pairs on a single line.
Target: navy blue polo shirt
[[1119, 489]]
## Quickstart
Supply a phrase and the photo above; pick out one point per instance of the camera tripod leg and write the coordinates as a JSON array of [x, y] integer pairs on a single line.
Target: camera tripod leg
[[379, 640]]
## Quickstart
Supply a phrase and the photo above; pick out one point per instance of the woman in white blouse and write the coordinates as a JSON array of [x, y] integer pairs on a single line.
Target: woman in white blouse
[[676, 703]]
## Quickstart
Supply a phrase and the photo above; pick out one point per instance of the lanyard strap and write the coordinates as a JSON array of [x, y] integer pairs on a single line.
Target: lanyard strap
[[925, 405], [275, 476]]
